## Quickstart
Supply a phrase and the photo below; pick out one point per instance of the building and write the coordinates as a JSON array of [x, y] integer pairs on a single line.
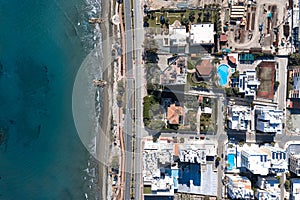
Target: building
[[278, 158], [269, 188], [246, 58], [295, 164], [156, 179], [177, 35], [223, 39], [263, 195], [239, 187], [196, 172], [202, 34], [295, 189], [170, 167], [239, 117], [232, 61], [264, 160], [268, 120], [294, 75], [255, 161], [204, 69], [176, 41], [248, 83], [237, 12], [174, 114], [176, 72]]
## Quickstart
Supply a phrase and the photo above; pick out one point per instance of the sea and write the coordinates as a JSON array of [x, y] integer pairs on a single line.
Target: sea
[[42, 46]]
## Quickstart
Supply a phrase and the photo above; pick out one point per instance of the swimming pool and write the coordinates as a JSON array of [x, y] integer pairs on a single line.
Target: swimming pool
[[223, 74], [231, 162]]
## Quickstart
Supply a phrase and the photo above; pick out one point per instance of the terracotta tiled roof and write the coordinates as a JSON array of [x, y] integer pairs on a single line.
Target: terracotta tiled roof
[[205, 67], [200, 99], [173, 114], [176, 149], [223, 38], [232, 59]]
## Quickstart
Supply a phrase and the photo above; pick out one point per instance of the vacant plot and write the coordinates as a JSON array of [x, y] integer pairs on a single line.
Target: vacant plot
[[266, 75]]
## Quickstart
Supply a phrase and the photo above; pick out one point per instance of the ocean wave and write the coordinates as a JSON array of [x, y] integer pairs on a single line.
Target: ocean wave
[[91, 39]]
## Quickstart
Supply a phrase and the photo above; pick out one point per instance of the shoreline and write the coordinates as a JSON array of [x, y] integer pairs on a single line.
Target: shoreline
[[106, 101]]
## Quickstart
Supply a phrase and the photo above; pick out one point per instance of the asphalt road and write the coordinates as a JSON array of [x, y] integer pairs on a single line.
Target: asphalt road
[[128, 133], [221, 137], [282, 78], [139, 86]]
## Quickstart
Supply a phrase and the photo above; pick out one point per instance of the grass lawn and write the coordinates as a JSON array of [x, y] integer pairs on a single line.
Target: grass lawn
[[147, 189]]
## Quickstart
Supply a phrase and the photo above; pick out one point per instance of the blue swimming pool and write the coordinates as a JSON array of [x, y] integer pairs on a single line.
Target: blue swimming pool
[[231, 158], [223, 74]]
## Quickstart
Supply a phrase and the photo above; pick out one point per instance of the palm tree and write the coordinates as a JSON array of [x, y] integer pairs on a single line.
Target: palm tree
[[192, 16]]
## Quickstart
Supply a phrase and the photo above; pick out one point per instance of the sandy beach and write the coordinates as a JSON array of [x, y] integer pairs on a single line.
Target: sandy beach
[[102, 144]]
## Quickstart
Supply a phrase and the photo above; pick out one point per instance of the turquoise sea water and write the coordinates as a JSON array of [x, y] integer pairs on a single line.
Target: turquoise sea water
[[223, 74], [41, 48]]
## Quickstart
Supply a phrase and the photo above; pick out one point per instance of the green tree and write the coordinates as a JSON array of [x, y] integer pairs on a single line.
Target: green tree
[[192, 16], [146, 19], [115, 162], [155, 108], [156, 124], [185, 21], [199, 20], [193, 126], [294, 59], [241, 143], [235, 74], [229, 92], [150, 45], [287, 185]]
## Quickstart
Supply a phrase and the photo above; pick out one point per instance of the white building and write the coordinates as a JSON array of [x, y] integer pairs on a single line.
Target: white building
[[295, 164], [239, 187], [268, 120], [202, 34], [248, 83], [239, 117], [295, 189], [263, 195], [269, 188], [264, 160], [278, 158], [294, 74], [164, 176], [192, 154], [177, 35], [255, 161]]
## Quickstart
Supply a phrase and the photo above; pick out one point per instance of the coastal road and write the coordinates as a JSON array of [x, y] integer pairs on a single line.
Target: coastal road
[[139, 87], [222, 138], [128, 133]]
